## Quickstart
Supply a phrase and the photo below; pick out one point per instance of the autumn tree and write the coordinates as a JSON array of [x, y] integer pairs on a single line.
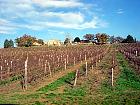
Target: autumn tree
[[89, 37], [117, 39], [25, 41], [102, 37]]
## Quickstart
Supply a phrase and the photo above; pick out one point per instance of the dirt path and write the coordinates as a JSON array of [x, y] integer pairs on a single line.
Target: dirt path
[[102, 73]]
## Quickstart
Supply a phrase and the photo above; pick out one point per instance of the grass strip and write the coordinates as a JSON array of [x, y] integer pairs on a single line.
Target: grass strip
[[127, 88], [59, 82]]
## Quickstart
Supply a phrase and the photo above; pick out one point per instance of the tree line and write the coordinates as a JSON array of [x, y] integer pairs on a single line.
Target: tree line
[[24, 41], [128, 39], [103, 38], [99, 38]]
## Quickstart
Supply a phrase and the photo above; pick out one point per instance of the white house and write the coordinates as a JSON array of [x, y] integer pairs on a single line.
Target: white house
[[53, 43], [36, 44]]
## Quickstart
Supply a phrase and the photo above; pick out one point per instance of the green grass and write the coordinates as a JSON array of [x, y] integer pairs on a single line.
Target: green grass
[[70, 96], [38, 103], [14, 78], [61, 81], [18, 98], [50, 92], [127, 88], [128, 79], [123, 98]]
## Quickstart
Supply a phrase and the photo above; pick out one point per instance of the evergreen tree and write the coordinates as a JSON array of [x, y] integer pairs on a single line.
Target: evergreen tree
[[129, 39], [8, 44], [67, 41], [77, 39], [11, 43]]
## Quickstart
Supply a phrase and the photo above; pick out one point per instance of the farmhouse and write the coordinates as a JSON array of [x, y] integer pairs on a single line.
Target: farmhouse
[[36, 44], [53, 43]]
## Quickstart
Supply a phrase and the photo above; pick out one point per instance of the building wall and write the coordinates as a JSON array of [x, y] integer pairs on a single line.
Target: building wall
[[53, 43]]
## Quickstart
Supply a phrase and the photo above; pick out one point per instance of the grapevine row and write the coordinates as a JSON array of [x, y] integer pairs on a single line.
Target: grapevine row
[[42, 61]]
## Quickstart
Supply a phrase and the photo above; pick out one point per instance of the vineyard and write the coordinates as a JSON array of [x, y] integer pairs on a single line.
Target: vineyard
[[68, 66], [131, 53], [34, 63]]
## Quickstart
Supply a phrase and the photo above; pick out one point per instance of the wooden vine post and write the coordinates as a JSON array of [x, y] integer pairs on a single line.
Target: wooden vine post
[[136, 53], [99, 58], [58, 60], [67, 59], [1, 72], [112, 76], [11, 64], [76, 75], [39, 62], [92, 67], [74, 60], [65, 64], [8, 70], [92, 63], [85, 57], [50, 69], [45, 67], [112, 70], [26, 75], [86, 68]]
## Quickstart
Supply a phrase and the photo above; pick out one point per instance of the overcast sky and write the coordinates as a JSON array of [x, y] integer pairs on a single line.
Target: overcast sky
[[54, 19]]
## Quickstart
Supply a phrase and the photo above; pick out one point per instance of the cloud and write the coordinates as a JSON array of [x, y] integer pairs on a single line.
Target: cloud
[[58, 3], [12, 9], [94, 23], [17, 14], [68, 17], [3, 21], [56, 31], [120, 11], [6, 27], [7, 30]]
